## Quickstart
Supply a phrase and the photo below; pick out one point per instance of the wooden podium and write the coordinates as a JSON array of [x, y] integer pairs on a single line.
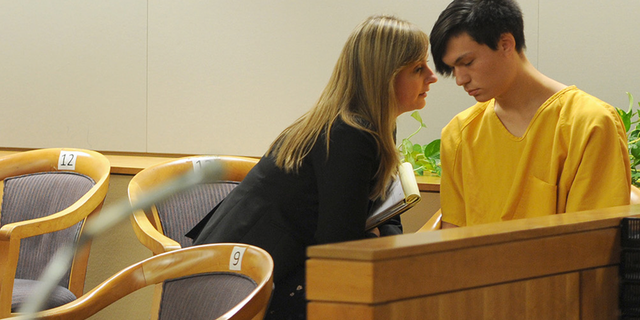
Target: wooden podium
[[556, 267]]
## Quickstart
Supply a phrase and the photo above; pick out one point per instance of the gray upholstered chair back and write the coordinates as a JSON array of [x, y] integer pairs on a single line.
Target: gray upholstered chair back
[[182, 211], [37, 195], [203, 296]]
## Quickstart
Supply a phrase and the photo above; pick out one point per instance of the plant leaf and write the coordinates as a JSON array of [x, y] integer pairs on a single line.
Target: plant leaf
[[432, 149], [406, 146], [634, 149], [626, 118], [416, 115]]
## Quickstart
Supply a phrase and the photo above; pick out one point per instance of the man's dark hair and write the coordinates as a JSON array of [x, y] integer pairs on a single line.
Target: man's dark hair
[[484, 20]]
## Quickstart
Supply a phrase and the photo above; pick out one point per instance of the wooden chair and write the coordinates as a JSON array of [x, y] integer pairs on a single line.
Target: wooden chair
[[161, 228], [223, 281], [47, 195], [435, 222]]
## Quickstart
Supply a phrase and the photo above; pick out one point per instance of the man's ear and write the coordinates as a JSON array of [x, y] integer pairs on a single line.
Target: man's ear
[[507, 42]]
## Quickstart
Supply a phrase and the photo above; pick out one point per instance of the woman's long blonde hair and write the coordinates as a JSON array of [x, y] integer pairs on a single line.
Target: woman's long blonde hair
[[360, 88]]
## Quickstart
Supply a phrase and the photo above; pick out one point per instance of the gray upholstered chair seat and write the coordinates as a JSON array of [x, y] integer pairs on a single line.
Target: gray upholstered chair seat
[[203, 296], [182, 211], [24, 288]]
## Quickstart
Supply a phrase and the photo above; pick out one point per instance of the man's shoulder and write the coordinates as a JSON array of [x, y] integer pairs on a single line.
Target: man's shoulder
[[464, 118], [578, 105], [461, 125]]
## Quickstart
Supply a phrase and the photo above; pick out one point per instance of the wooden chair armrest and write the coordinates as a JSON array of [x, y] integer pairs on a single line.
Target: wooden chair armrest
[[133, 278], [434, 223], [99, 297], [59, 220], [194, 260], [149, 236]]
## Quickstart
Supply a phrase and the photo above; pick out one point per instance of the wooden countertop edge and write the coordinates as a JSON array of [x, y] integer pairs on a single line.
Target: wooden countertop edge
[[407, 245], [428, 183]]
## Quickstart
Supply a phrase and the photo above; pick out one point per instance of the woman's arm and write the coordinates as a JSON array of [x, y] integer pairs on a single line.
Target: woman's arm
[[344, 181]]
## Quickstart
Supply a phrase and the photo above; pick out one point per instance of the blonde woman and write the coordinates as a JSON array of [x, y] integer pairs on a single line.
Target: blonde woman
[[316, 182]]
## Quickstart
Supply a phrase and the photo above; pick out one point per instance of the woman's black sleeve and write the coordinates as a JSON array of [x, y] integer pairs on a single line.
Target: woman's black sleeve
[[344, 181]]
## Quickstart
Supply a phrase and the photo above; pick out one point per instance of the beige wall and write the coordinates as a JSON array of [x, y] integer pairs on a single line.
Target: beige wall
[[225, 77]]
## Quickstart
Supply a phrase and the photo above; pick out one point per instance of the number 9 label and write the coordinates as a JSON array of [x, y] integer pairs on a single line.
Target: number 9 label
[[235, 262]]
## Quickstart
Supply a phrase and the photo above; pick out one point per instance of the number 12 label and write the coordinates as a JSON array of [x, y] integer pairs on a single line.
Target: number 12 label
[[67, 160], [235, 263]]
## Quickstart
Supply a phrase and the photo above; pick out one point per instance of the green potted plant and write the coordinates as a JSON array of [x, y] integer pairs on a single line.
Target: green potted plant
[[632, 117], [425, 159]]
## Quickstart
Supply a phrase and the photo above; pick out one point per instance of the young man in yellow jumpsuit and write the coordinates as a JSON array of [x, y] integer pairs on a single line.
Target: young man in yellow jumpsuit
[[531, 146]]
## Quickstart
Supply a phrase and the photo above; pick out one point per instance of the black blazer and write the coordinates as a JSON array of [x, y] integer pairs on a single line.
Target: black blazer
[[325, 201]]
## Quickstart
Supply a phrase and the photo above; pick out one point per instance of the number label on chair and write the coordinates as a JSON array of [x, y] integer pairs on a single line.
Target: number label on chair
[[235, 263], [67, 160], [198, 164]]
